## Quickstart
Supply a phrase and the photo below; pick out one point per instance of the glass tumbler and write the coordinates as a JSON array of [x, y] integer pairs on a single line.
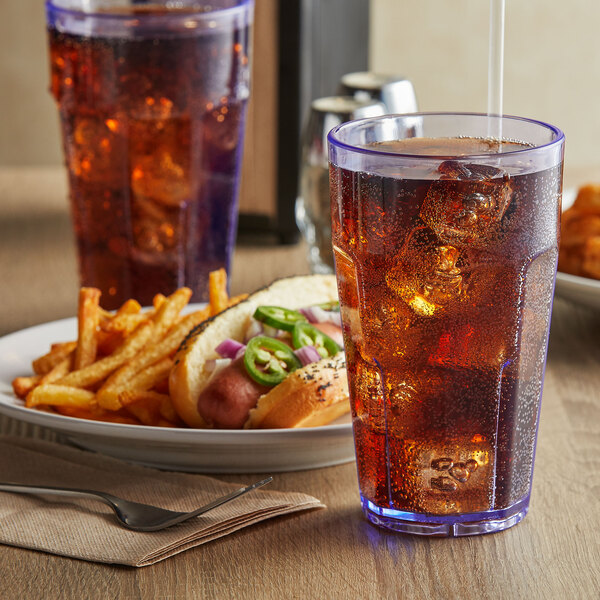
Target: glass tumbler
[[152, 102], [445, 242]]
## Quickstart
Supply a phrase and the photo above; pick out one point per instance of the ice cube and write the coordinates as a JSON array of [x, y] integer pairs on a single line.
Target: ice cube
[[160, 177], [473, 346], [404, 403], [94, 154], [467, 203], [386, 399], [152, 236], [452, 169], [426, 275], [367, 392]]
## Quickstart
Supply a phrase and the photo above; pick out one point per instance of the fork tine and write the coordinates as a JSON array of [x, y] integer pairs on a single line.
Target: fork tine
[[210, 506], [228, 497]]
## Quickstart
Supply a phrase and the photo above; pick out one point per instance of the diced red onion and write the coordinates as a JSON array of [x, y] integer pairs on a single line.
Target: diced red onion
[[254, 328], [315, 314], [214, 365], [308, 355], [271, 331], [335, 317], [307, 313], [229, 348]]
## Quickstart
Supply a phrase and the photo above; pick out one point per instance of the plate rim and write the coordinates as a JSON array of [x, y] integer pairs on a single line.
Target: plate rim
[[579, 280]]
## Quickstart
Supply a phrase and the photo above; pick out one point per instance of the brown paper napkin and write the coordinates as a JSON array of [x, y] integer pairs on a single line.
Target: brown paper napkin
[[88, 529]]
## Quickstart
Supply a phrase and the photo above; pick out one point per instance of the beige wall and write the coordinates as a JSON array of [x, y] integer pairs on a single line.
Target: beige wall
[[551, 60], [28, 121], [552, 67]]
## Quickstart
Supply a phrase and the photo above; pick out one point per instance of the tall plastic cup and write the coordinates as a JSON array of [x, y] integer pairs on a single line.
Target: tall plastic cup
[[445, 246], [152, 101]]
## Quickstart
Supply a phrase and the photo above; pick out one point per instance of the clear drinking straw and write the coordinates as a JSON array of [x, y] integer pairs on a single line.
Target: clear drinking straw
[[495, 68]]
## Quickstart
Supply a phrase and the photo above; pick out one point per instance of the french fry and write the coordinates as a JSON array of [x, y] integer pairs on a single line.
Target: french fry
[[97, 414], [169, 310], [60, 395], [129, 307], [162, 386], [118, 369], [134, 396], [236, 299], [23, 385], [88, 319], [148, 407], [102, 368], [217, 291], [109, 341], [158, 300], [167, 410], [115, 327], [145, 409], [591, 257], [57, 353], [113, 398], [147, 378], [588, 199], [124, 323], [58, 372], [108, 394]]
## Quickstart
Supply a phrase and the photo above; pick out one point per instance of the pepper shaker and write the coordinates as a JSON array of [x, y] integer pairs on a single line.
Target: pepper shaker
[[312, 206]]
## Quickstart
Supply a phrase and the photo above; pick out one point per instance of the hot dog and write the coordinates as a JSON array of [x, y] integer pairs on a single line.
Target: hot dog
[[274, 360]]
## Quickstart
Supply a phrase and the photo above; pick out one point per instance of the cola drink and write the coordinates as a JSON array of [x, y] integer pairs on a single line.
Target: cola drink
[[445, 272], [152, 104]]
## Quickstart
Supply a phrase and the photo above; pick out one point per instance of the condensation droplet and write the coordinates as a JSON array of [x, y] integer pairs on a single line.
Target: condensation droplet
[[471, 465], [460, 472], [443, 483], [442, 464]]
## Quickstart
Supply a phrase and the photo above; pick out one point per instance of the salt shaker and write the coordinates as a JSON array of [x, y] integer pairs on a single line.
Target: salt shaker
[[312, 206]]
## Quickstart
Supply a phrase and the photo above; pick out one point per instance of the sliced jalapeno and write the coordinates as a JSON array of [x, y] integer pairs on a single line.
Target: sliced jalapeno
[[276, 316], [305, 334], [333, 306], [269, 361]]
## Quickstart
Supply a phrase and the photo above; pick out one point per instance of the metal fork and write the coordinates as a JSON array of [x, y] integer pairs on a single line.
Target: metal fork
[[133, 515]]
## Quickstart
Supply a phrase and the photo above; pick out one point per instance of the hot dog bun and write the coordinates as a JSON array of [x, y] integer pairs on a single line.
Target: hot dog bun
[[313, 395]]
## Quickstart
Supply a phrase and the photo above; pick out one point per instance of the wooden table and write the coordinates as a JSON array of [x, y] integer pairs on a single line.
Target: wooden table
[[332, 553]]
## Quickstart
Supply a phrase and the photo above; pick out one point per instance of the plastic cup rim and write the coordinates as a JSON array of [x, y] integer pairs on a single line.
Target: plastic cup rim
[[331, 136], [51, 5]]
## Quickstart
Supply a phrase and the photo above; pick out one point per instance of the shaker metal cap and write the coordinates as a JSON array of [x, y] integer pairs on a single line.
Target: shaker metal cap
[[396, 92]]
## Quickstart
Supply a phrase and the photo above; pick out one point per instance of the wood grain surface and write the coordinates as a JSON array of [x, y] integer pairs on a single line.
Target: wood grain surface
[[331, 553]]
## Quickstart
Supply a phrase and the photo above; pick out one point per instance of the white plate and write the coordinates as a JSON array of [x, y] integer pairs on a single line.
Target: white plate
[[581, 290], [192, 450]]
